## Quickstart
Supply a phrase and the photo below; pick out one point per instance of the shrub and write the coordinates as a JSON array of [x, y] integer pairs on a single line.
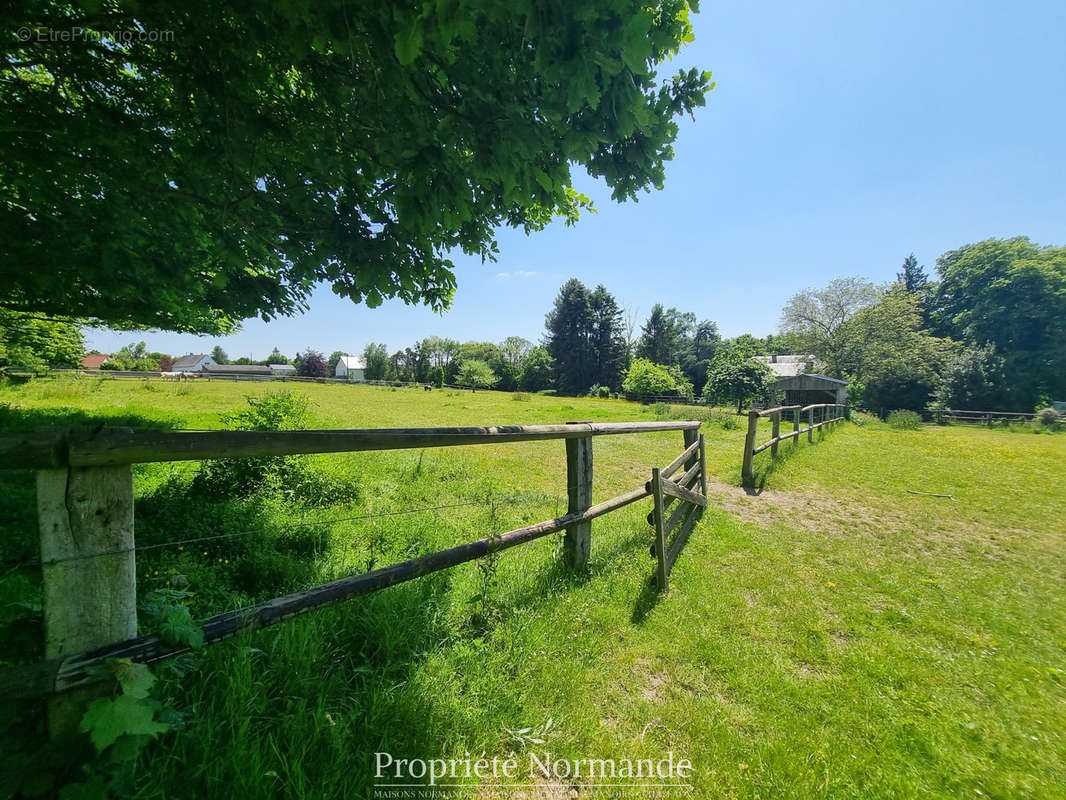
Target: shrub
[[662, 410], [1047, 417], [524, 396], [905, 420], [648, 378], [289, 477], [476, 373]]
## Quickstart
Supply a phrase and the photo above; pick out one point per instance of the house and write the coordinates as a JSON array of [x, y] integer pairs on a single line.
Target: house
[[94, 361], [350, 367], [191, 363], [282, 369], [236, 371], [797, 384]]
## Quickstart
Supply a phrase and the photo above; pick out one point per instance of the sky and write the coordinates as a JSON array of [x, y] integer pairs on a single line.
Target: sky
[[840, 137]]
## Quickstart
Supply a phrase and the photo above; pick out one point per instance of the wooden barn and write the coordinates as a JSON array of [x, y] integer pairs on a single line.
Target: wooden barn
[[797, 384]]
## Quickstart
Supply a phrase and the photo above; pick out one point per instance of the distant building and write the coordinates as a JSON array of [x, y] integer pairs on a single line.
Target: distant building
[[797, 384], [237, 370], [282, 369], [351, 367], [94, 361], [192, 363]]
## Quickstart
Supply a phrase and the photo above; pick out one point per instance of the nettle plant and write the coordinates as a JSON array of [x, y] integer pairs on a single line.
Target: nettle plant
[[122, 723]]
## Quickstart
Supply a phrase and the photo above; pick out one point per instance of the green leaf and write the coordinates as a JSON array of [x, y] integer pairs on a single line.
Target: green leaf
[[409, 43], [108, 719], [135, 679]]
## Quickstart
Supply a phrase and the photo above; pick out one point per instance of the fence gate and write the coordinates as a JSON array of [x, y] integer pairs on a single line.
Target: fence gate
[[687, 496]]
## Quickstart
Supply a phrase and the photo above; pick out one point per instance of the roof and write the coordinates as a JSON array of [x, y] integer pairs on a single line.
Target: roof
[[282, 367], [188, 361], [235, 369], [353, 362], [94, 361], [787, 366], [784, 378]]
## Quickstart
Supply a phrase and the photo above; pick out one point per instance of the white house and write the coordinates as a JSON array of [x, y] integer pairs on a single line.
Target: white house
[[191, 363], [282, 369], [350, 367]]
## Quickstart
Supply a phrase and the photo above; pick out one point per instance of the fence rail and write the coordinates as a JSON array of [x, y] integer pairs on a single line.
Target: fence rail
[[988, 418], [828, 413], [85, 521]]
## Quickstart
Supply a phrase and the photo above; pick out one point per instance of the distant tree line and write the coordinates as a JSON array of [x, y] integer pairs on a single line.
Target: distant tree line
[[988, 332]]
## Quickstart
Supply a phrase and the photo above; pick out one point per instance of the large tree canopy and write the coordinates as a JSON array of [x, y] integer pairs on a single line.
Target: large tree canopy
[[1011, 294], [213, 162]]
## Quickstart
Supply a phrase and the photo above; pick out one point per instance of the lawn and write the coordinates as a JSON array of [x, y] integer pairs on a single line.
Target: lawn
[[828, 635]]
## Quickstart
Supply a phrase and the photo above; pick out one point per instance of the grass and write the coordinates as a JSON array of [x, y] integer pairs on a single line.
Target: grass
[[828, 636]]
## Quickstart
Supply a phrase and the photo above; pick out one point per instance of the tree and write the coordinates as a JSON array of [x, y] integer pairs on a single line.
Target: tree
[[333, 360], [512, 354], [1011, 294], [251, 153], [569, 326], [28, 342], [645, 377], [135, 358], [218, 355], [662, 338], [476, 373], [377, 361], [911, 276], [277, 357], [538, 372], [891, 361], [441, 353], [607, 338], [814, 315], [166, 363], [732, 377], [972, 379], [701, 349], [311, 364]]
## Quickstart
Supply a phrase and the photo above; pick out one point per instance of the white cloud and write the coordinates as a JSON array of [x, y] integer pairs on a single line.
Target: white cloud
[[518, 273]]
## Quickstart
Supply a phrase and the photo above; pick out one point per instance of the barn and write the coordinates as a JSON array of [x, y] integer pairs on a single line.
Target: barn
[[351, 367], [797, 385]]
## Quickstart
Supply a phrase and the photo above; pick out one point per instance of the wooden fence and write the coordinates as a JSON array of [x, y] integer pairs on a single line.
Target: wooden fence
[[826, 413], [987, 418], [85, 519]]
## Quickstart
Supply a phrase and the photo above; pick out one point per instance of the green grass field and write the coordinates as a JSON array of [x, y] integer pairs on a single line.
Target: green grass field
[[830, 635]]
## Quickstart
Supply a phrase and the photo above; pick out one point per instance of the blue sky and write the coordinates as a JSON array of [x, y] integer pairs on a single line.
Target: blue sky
[[840, 137]]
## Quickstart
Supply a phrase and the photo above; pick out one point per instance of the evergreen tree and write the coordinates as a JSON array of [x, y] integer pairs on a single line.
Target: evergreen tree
[[912, 277], [569, 328], [218, 355], [607, 338], [663, 337]]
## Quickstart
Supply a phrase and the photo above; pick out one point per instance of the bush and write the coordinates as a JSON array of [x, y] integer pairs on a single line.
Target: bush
[[289, 477], [1048, 417], [905, 420], [524, 396], [647, 378], [662, 410]]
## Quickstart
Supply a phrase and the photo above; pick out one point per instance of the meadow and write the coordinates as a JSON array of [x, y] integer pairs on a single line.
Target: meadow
[[828, 634]]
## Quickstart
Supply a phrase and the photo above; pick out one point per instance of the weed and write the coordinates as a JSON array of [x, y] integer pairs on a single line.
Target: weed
[[524, 397], [904, 420]]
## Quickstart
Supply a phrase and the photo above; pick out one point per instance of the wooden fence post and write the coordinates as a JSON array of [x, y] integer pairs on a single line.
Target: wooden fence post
[[662, 575], [775, 431], [796, 414], [89, 600], [703, 469], [578, 539], [690, 437], [746, 473], [810, 426]]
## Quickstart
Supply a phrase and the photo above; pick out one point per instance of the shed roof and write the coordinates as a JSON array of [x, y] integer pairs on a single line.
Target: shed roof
[[787, 366], [237, 369], [188, 361], [353, 362]]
